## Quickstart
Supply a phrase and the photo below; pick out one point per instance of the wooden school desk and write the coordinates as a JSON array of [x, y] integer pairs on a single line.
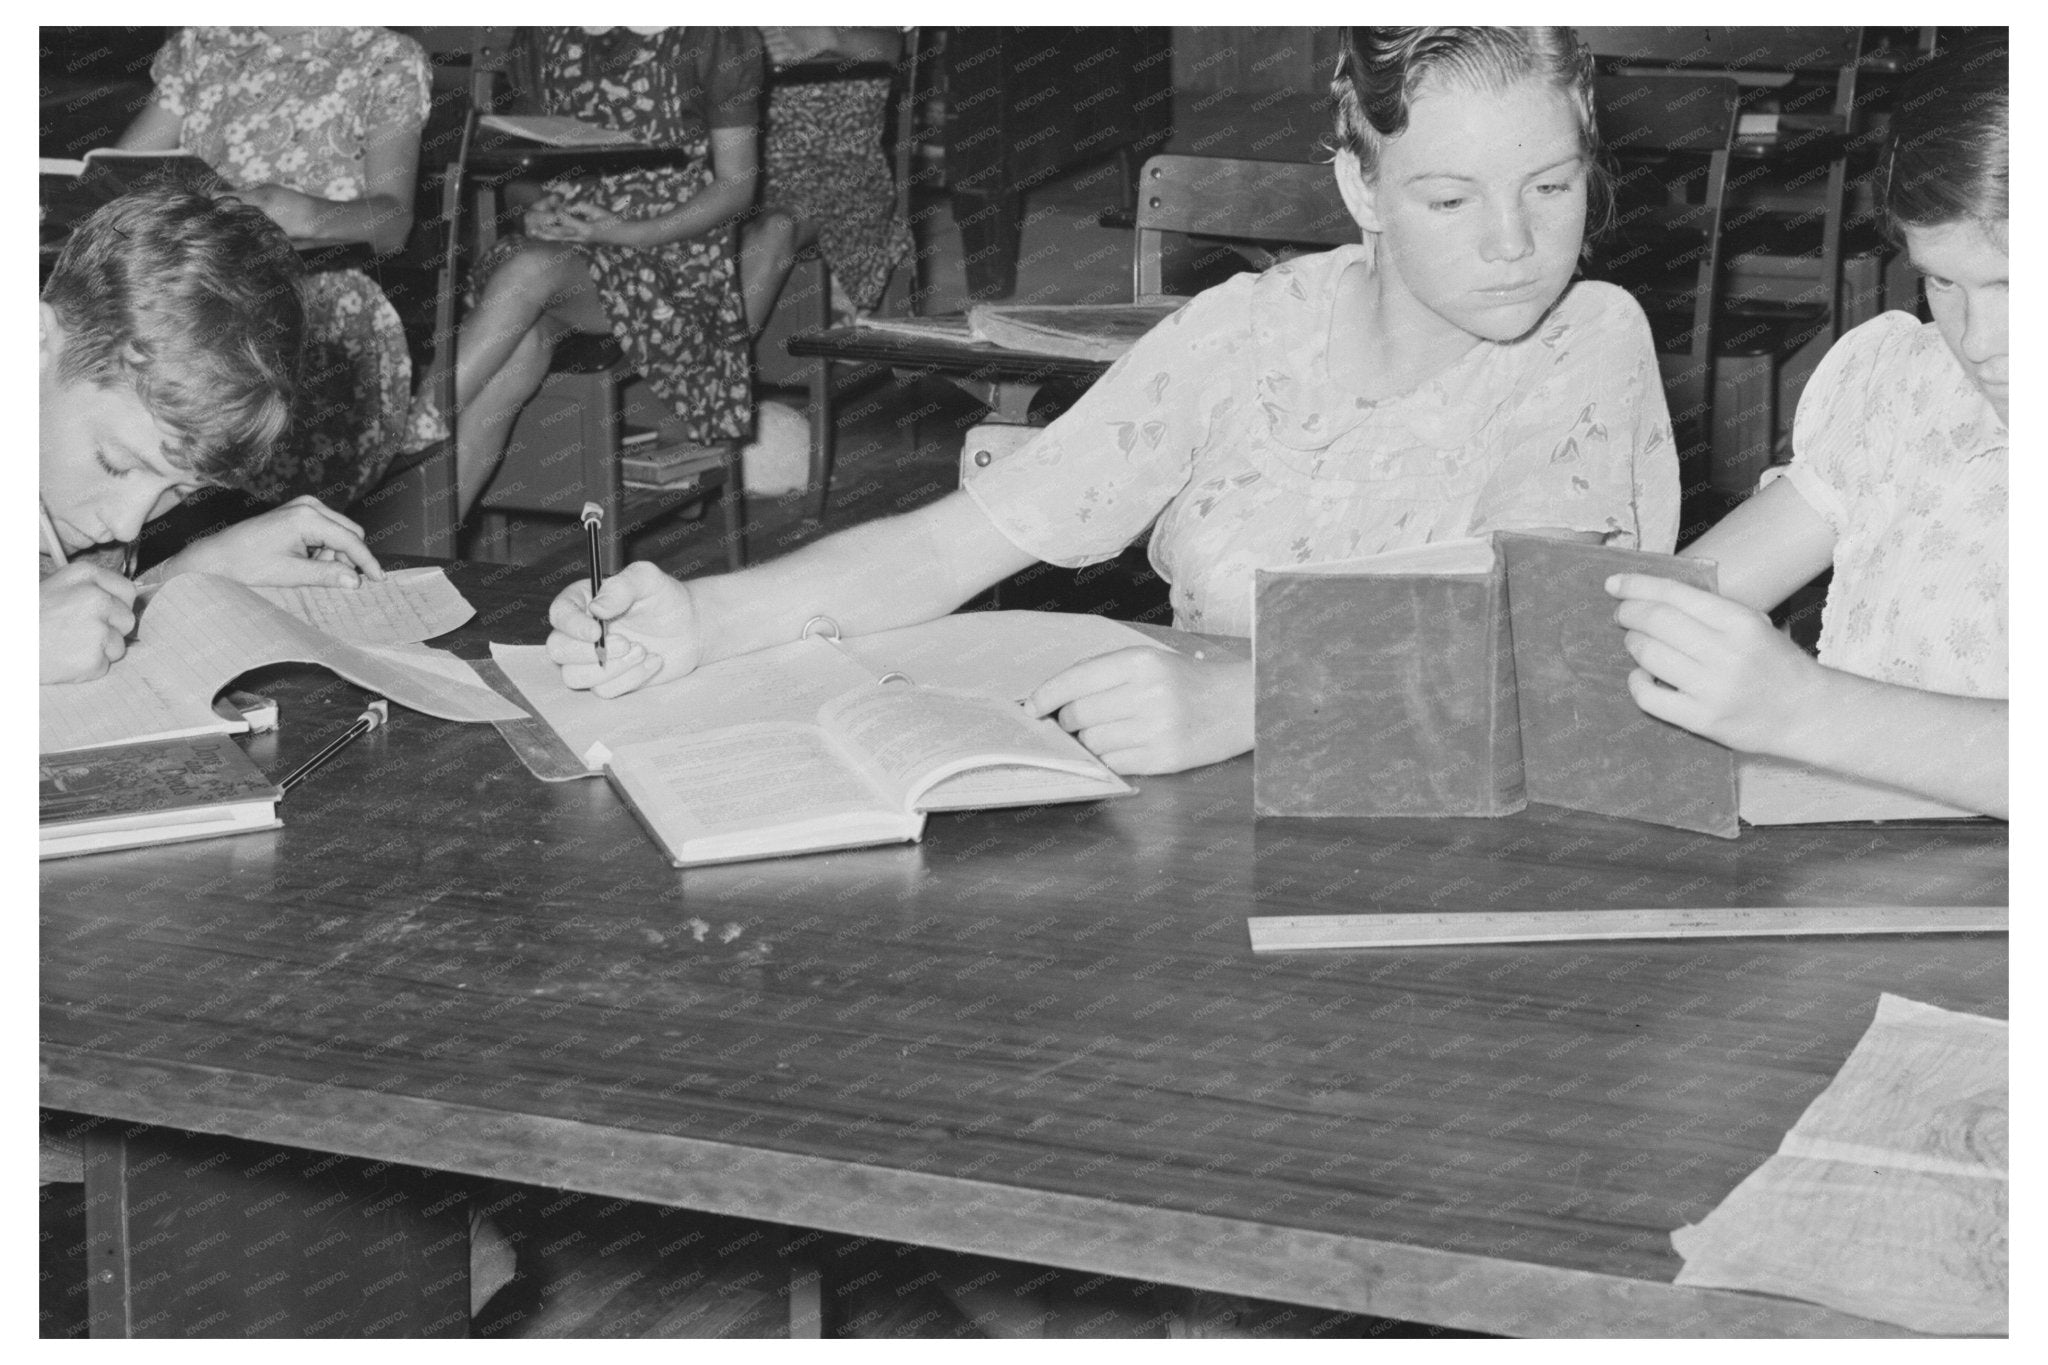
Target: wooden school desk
[[1040, 1034]]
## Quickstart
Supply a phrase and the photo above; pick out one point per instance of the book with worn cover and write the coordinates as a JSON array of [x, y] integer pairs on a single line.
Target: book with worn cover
[[1585, 742], [1386, 686], [127, 795], [1469, 678]]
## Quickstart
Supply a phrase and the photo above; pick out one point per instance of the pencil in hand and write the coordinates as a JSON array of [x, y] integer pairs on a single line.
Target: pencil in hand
[[593, 521]]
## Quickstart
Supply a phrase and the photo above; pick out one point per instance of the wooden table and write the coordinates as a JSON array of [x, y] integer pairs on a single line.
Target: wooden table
[[1040, 1034]]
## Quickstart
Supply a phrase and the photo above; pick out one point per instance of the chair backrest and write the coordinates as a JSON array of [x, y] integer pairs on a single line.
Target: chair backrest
[[1756, 49], [1253, 201], [1665, 134]]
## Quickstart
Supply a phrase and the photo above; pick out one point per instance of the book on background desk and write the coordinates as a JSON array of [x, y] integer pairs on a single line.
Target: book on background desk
[[1471, 677], [1077, 331], [167, 791], [558, 130]]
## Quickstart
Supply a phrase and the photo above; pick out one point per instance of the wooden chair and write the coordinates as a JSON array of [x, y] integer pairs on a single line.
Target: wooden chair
[[1670, 138], [1231, 205], [1781, 298]]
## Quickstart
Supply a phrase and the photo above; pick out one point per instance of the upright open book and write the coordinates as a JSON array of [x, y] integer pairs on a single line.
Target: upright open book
[[1471, 677], [818, 745]]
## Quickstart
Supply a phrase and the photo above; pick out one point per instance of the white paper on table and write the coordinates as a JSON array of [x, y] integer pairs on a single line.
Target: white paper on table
[[199, 634], [410, 605], [1888, 1198]]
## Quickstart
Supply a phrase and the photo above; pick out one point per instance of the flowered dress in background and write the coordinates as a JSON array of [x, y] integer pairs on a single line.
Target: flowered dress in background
[[823, 162], [299, 111], [675, 310]]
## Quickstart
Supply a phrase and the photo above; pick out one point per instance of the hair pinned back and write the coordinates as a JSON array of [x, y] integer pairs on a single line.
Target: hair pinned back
[[1381, 70], [1949, 154]]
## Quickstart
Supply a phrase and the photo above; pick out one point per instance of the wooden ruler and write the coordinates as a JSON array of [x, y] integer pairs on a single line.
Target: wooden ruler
[[1300, 933]]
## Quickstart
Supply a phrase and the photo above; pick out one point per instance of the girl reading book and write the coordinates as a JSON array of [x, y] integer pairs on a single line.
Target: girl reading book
[[1443, 378], [1899, 483]]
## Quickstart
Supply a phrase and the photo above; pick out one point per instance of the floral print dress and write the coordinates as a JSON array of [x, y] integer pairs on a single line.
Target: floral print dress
[[1905, 460], [299, 110], [1224, 432], [675, 310]]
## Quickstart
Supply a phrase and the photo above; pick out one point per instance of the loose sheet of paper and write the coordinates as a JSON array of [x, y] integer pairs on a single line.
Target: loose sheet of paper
[[787, 683], [201, 632], [1888, 1197], [410, 605], [999, 654]]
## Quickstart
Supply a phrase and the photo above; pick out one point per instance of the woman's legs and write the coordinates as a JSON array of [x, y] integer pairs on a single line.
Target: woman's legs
[[539, 294]]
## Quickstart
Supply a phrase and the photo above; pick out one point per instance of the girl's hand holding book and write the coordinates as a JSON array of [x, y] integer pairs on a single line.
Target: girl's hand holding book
[[1716, 667], [651, 636]]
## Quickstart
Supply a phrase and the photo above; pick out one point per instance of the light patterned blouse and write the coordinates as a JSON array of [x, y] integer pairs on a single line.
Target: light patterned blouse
[[1905, 460], [1224, 427]]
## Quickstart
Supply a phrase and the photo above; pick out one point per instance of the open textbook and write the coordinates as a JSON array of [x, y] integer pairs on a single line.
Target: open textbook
[[198, 632], [815, 744]]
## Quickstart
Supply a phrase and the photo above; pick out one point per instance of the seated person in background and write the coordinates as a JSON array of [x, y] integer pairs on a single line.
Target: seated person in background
[[167, 338], [1445, 378], [1899, 482], [825, 176], [643, 255], [320, 129]]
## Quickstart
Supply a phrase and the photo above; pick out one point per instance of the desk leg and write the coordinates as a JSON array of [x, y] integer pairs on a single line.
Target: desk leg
[[196, 1236]]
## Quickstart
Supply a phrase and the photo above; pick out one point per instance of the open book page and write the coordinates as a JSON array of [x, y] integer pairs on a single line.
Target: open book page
[[201, 632], [997, 654], [1082, 331], [911, 737], [1889, 1197], [1775, 791], [1016, 784], [787, 683], [410, 605], [753, 790]]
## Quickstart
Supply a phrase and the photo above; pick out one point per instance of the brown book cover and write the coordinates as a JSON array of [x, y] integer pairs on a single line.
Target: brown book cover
[[1585, 742], [1387, 690]]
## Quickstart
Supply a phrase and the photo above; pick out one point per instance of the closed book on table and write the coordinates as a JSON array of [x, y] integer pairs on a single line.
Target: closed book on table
[[1386, 686], [1467, 678], [160, 792]]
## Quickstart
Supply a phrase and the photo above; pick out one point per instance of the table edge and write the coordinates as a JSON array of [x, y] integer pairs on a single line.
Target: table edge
[[1207, 1251]]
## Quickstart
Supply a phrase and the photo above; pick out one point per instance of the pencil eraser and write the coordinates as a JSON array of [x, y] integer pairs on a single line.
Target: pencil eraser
[[592, 512]]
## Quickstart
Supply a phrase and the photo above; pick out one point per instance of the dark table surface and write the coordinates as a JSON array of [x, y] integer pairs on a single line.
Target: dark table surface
[[1040, 1034]]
